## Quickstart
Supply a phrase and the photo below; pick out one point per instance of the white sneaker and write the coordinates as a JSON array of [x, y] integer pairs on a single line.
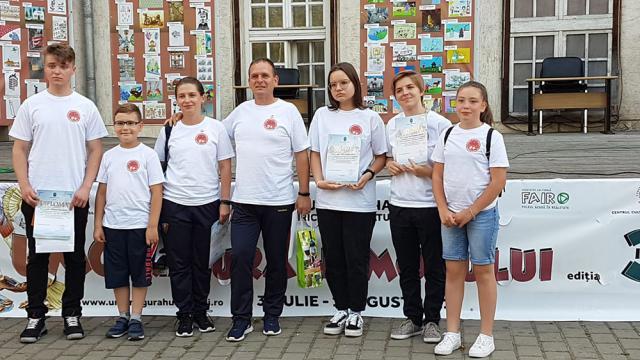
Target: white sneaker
[[354, 325], [337, 323], [450, 342], [483, 346]]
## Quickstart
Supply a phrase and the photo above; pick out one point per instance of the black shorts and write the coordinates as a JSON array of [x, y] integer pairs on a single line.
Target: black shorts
[[126, 254]]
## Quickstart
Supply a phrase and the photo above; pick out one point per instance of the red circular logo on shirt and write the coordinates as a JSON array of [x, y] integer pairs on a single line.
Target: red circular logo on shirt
[[133, 166], [73, 115], [473, 145], [202, 139], [270, 123], [355, 129]]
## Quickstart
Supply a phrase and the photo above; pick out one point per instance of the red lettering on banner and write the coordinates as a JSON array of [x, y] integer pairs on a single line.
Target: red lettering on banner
[[523, 271], [546, 264], [522, 266], [382, 264]]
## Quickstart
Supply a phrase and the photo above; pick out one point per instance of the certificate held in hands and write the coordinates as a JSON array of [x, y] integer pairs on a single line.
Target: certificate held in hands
[[411, 140], [343, 159], [53, 222]]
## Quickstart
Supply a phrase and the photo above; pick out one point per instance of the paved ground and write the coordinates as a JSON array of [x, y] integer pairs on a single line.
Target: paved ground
[[302, 338]]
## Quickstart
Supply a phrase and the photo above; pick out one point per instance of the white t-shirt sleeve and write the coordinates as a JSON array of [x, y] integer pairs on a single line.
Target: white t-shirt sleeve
[[22, 125], [154, 170], [388, 130], [299, 138], [378, 136], [498, 157], [95, 126], [438, 151], [228, 123], [102, 172], [159, 146], [314, 137], [225, 149]]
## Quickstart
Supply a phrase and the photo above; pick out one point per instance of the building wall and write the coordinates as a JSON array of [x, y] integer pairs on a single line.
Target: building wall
[[488, 47], [629, 55]]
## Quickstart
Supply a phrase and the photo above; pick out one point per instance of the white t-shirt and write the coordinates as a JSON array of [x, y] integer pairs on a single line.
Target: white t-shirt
[[58, 128], [266, 138], [194, 151], [466, 167], [128, 174], [408, 190], [364, 123]]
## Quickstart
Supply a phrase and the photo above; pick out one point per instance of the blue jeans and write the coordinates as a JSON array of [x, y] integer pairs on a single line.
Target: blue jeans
[[477, 238]]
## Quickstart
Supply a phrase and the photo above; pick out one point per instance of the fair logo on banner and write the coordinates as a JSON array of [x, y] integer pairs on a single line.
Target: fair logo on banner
[[544, 199]]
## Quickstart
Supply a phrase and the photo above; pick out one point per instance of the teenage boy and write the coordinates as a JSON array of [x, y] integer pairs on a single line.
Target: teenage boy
[[128, 206], [57, 147], [269, 133]]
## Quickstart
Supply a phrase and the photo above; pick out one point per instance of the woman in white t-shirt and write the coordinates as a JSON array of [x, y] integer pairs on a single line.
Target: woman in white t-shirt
[[413, 214], [346, 196], [469, 173], [197, 193]]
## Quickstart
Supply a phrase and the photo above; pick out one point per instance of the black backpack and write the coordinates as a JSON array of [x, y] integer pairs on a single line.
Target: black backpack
[[167, 134]]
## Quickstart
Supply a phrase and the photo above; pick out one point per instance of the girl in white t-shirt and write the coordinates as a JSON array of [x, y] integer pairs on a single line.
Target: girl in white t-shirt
[[469, 173], [197, 193], [346, 210], [413, 214]]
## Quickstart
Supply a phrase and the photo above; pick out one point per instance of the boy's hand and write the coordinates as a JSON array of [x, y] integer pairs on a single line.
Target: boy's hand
[[98, 235], [173, 119], [224, 210], [152, 235], [81, 197], [395, 168]]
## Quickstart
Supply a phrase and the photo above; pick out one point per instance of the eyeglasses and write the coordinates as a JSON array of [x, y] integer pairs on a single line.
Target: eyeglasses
[[343, 84], [120, 124]]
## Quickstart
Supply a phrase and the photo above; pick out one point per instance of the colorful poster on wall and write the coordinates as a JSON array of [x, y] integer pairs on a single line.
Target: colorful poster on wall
[[434, 38], [156, 42]]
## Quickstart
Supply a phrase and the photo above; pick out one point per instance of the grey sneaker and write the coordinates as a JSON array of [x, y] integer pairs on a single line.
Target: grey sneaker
[[431, 333], [406, 330]]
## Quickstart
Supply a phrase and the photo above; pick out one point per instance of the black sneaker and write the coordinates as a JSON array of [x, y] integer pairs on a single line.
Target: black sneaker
[[72, 328], [185, 326], [203, 323], [34, 331]]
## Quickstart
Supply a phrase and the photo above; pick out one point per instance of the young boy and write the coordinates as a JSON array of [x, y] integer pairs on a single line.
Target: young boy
[[128, 206], [57, 147]]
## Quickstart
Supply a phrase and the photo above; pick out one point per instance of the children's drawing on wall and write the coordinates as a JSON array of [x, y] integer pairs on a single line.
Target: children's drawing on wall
[[430, 66], [176, 34], [152, 66], [203, 17], [10, 32], [154, 90], [375, 58], [59, 28], [11, 57], [457, 31], [459, 8], [126, 42], [151, 19], [34, 14], [127, 68], [125, 14], [151, 41], [131, 92], [36, 38], [404, 8], [431, 20], [58, 7], [176, 11], [377, 15], [454, 79], [375, 85], [404, 53], [431, 44], [378, 35], [459, 56], [404, 31]]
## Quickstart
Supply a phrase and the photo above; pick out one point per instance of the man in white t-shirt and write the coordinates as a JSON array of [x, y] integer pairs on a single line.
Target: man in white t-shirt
[[268, 133], [57, 147]]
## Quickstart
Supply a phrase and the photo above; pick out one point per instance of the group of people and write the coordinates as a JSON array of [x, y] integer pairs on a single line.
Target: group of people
[[442, 211]]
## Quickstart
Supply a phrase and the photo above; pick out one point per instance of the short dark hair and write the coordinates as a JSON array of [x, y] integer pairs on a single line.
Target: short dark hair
[[190, 80], [352, 74], [128, 108], [62, 52], [264, 60]]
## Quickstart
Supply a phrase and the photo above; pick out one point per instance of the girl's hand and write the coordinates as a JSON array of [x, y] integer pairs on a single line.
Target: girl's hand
[[364, 179], [395, 168], [329, 185], [225, 211], [418, 170], [98, 234], [463, 217], [447, 218], [173, 119]]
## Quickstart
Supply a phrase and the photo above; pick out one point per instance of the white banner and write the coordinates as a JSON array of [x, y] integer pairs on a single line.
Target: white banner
[[567, 250]]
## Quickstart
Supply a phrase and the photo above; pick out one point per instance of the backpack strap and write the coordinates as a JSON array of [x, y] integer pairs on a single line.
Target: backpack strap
[[446, 134], [167, 135], [488, 145]]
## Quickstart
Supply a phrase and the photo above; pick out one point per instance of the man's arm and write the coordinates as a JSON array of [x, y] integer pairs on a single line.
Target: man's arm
[[303, 203], [94, 155], [20, 157], [101, 200]]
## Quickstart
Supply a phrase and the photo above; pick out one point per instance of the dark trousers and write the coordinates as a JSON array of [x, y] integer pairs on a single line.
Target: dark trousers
[[415, 233], [246, 224], [38, 268], [346, 240], [187, 241]]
